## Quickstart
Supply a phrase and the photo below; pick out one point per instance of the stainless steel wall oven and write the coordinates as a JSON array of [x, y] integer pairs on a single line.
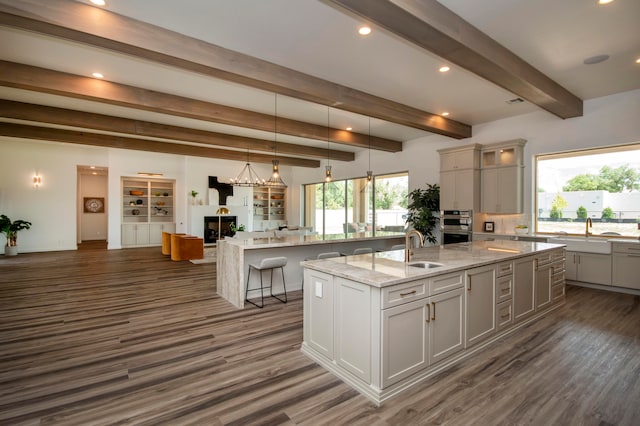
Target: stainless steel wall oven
[[456, 226]]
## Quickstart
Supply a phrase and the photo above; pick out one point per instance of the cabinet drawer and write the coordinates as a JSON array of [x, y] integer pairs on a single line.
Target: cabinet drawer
[[543, 259], [557, 255], [504, 268], [557, 268], [447, 282], [557, 279], [403, 293], [504, 287], [629, 248], [504, 314], [557, 293]]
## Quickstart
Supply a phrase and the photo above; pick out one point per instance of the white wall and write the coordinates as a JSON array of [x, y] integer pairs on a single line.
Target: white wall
[[607, 121]]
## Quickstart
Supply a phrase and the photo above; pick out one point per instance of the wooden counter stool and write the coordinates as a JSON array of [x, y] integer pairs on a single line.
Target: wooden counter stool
[[269, 263]]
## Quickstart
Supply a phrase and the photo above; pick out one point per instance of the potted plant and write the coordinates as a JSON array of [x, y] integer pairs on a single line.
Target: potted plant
[[194, 194], [10, 229], [424, 205]]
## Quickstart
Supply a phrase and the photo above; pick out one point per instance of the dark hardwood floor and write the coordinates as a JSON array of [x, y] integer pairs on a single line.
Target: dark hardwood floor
[[95, 337]]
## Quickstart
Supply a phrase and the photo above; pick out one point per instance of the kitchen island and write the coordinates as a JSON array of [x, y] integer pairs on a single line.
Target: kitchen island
[[235, 255], [383, 325]]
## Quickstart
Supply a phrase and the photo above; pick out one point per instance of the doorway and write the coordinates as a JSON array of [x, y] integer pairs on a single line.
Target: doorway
[[92, 212]]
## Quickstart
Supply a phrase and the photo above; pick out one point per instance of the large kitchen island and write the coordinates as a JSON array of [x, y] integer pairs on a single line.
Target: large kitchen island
[[383, 325], [234, 256]]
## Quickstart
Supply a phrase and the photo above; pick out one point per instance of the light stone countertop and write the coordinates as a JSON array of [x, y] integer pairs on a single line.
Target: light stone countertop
[[301, 240], [388, 268]]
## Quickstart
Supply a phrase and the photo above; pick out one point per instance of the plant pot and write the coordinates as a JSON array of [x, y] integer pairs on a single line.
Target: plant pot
[[10, 250]]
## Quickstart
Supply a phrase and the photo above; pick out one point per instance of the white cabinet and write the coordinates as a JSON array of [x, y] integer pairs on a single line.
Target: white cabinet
[[421, 333], [135, 234], [501, 190], [318, 312], [626, 265], [523, 288], [460, 178], [480, 303], [502, 177], [405, 341], [446, 324], [147, 210], [543, 281], [589, 267]]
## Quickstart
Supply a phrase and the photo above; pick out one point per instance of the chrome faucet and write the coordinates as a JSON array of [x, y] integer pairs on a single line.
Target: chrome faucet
[[589, 224], [408, 249]]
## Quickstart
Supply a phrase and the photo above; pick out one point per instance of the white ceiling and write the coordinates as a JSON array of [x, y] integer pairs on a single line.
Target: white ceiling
[[320, 39]]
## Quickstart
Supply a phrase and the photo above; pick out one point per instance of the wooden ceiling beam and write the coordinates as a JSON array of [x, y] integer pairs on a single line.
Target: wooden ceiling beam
[[100, 28], [58, 83], [86, 120], [49, 134], [431, 26]]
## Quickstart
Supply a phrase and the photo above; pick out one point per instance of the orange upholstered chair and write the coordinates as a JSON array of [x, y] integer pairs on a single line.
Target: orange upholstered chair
[[186, 247], [166, 243]]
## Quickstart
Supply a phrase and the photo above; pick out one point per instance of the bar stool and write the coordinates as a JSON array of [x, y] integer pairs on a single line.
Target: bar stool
[[269, 263], [363, 250]]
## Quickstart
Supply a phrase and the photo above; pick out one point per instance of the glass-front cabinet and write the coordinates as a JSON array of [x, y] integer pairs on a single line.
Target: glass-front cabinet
[[147, 211]]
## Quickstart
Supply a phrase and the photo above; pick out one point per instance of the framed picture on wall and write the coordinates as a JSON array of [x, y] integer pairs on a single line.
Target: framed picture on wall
[[488, 226], [94, 204]]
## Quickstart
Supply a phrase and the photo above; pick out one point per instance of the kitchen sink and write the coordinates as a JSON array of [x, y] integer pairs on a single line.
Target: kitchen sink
[[425, 265], [584, 244]]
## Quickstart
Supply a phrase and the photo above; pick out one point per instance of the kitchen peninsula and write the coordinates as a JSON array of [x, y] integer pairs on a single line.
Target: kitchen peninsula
[[383, 325], [235, 255]]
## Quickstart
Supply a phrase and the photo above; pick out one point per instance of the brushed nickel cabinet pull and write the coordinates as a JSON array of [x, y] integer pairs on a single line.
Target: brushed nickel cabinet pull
[[428, 312], [408, 293], [434, 311], [504, 316]]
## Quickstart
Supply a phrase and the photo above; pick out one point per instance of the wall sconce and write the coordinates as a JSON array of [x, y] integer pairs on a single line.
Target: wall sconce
[[37, 181]]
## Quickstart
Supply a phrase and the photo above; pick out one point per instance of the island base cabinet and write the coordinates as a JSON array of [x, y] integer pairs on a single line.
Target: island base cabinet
[[543, 285], [405, 341], [481, 303], [353, 327], [446, 325], [318, 312], [523, 288], [421, 333]]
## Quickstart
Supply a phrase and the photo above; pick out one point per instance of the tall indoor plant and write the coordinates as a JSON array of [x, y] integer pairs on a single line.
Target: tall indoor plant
[[10, 229], [424, 206]]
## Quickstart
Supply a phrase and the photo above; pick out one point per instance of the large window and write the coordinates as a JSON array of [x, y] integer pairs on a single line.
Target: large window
[[353, 205], [602, 184]]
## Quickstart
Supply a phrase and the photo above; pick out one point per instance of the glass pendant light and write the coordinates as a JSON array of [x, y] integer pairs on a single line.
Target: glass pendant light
[[275, 181], [369, 172], [327, 171]]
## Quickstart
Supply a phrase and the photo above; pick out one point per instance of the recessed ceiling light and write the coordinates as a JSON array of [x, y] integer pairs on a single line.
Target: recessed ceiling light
[[92, 167], [638, 61], [595, 59], [98, 2], [444, 69], [364, 30], [601, 2], [97, 75], [444, 114], [349, 128]]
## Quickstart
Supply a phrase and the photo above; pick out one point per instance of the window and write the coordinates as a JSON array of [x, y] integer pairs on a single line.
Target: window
[[602, 184], [353, 205]]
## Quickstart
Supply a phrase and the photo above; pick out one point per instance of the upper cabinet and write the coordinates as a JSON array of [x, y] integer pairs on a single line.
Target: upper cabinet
[[502, 177], [460, 178]]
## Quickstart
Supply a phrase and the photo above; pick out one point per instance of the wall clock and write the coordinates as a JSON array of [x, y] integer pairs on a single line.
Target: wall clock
[[93, 205]]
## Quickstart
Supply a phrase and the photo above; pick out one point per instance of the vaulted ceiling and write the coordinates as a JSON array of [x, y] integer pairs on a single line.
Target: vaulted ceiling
[[221, 79]]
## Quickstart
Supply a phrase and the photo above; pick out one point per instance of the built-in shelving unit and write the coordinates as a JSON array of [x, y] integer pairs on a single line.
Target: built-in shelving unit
[[269, 207], [147, 210]]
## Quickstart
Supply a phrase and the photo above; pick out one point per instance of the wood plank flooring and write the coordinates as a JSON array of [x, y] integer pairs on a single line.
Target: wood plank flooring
[[96, 337]]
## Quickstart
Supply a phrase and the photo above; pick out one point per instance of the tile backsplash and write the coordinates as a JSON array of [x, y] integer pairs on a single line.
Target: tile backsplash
[[503, 223]]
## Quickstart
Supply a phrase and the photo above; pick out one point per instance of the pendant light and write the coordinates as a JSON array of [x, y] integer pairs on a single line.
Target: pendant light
[[275, 181], [327, 172], [247, 176], [369, 172]]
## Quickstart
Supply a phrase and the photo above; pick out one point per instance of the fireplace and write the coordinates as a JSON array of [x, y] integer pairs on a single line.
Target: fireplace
[[216, 227]]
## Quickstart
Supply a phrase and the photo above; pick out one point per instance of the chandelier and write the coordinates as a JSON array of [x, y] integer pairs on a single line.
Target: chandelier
[[247, 176]]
